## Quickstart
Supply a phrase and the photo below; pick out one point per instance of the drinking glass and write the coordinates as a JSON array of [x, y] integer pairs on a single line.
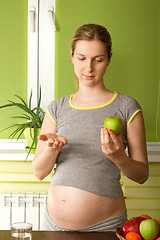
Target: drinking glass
[[21, 231]]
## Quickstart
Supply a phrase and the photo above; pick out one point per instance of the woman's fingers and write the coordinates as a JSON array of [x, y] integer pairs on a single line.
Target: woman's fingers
[[105, 138], [111, 143], [62, 140], [50, 142], [53, 140]]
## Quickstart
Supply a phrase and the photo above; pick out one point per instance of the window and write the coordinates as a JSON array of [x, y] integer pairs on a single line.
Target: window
[[41, 50], [41, 64]]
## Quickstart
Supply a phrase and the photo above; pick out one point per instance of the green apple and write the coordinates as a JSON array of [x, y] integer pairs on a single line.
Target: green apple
[[149, 229], [114, 123]]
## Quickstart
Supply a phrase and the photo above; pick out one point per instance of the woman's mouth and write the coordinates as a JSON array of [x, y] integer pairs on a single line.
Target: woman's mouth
[[89, 77]]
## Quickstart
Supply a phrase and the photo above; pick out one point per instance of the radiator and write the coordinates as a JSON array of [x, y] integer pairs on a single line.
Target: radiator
[[21, 207]]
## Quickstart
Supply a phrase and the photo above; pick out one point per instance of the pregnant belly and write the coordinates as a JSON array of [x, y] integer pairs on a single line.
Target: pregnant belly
[[74, 208]]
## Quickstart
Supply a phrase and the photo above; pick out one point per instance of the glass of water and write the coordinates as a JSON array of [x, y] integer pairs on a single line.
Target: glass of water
[[21, 231]]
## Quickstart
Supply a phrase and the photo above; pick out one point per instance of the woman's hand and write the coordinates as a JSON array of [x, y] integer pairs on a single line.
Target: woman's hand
[[134, 165], [53, 140], [112, 145], [48, 148]]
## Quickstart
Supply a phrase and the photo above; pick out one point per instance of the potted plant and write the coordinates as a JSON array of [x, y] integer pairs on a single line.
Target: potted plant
[[31, 124]]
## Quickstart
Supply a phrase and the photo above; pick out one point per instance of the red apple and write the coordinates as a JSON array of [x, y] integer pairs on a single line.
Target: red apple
[[132, 225], [145, 216]]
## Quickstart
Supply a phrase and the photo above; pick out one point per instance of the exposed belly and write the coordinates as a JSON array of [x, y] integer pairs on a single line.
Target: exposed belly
[[74, 208]]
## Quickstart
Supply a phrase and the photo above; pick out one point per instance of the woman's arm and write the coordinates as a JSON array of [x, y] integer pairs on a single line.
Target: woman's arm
[[48, 148], [134, 166]]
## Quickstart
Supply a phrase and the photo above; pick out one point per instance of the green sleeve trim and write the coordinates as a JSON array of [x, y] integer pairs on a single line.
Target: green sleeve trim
[[51, 116], [139, 110]]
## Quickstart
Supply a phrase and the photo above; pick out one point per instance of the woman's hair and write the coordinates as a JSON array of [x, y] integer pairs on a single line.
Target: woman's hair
[[92, 32]]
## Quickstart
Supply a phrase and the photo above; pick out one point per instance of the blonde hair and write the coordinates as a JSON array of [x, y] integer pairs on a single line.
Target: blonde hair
[[92, 32]]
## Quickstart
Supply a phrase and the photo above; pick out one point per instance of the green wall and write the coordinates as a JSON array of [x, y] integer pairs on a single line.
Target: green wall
[[134, 68], [13, 56]]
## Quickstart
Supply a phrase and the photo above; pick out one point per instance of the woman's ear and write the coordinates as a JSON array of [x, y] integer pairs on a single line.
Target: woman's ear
[[109, 59], [71, 53]]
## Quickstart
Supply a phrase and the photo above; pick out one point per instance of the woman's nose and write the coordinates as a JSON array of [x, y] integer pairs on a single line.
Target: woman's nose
[[89, 66]]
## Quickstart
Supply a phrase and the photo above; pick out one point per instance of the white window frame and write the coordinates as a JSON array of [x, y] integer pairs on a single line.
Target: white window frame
[[41, 51]]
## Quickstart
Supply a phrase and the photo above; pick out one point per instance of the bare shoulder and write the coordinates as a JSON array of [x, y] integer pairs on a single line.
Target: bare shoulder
[[136, 138], [48, 126]]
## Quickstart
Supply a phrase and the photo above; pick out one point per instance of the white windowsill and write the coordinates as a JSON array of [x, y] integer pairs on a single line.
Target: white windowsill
[[13, 150], [153, 149]]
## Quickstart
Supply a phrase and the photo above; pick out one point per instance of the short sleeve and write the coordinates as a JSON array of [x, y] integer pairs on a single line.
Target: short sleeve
[[132, 107], [51, 111]]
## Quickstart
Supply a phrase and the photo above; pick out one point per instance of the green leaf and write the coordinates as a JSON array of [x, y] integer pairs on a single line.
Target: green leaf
[[30, 100], [21, 100], [7, 105], [39, 101], [34, 140]]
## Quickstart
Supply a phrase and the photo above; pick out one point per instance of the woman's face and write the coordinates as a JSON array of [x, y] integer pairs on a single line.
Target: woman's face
[[90, 61]]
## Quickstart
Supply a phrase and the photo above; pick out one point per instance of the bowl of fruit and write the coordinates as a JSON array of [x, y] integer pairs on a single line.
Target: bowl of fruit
[[142, 227]]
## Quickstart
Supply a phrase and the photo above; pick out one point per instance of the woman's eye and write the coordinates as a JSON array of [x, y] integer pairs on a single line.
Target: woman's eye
[[81, 59], [99, 60]]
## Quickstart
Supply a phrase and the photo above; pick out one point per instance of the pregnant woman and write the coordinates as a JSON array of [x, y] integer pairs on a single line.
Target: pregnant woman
[[85, 192]]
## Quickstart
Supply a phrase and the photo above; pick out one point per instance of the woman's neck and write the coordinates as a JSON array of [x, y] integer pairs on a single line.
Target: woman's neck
[[88, 97]]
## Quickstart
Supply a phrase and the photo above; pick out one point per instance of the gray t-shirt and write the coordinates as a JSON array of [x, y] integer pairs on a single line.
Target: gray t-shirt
[[81, 163]]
